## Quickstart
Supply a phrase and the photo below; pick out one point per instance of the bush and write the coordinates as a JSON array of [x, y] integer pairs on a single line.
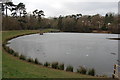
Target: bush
[[91, 72], [46, 64], [3, 45], [55, 65], [40, 63], [16, 54], [69, 68], [104, 28], [36, 61], [61, 66], [10, 51], [82, 70], [30, 60], [6, 48], [105, 76], [22, 57]]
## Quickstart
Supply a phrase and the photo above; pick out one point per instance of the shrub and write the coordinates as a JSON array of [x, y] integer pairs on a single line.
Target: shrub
[[40, 63], [6, 48], [61, 66], [105, 76], [82, 70], [91, 72], [55, 65], [36, 61], [10, 51], [69, 68], [46, 64], [3, 45], [30, 60], [22, 57], [16, 54]]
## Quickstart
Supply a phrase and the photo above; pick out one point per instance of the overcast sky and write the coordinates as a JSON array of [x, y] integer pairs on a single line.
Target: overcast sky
[[66, 7]]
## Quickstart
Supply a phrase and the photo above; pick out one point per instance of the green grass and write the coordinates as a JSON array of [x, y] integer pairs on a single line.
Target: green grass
[[0, 55], [13, 67]]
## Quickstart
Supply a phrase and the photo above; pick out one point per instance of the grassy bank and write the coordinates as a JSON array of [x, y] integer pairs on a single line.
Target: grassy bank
[[0, 64], [15, 68]]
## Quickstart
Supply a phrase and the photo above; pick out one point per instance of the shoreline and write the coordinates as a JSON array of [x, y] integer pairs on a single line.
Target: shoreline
[[7, 39], [114, 38]]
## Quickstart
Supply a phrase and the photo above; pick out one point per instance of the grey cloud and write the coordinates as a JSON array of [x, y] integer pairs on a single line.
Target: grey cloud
[[69, 7], [85, 8], [92, 7]]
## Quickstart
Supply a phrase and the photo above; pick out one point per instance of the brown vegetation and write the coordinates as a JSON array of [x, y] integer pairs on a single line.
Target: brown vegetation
[[21, 20]]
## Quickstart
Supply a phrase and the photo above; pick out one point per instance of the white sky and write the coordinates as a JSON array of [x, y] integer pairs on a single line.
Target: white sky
[[65, 7]]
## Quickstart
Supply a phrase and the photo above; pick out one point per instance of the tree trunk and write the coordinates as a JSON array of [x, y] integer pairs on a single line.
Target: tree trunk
[[6, 12]]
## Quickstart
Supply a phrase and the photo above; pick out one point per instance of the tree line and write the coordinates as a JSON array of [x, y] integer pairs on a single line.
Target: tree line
[[19, 19]]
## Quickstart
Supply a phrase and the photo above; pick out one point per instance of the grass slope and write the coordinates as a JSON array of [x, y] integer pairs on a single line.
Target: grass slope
[[0, 64], [15, 68]]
